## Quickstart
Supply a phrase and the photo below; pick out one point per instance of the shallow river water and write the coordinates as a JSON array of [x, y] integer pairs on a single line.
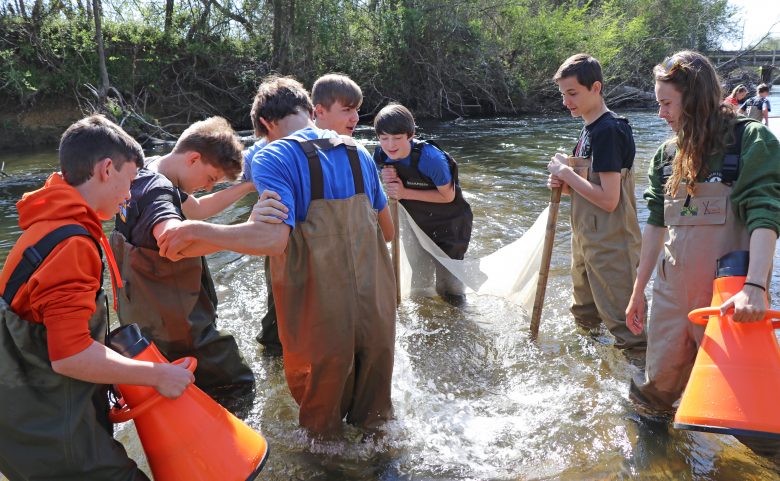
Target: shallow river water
[[474, 398]]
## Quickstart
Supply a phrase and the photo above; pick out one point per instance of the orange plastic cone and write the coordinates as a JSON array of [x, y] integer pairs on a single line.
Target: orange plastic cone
[[735, 380], [191, 437]]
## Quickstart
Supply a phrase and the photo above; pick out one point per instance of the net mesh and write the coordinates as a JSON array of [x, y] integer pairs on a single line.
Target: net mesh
[[510, 272]]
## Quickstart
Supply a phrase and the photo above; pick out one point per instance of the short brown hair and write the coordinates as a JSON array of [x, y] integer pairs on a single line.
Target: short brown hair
[[585, 68], [217, 144], [335, 87], [90, 140], [394, 119], [276, 98], [763, 88]]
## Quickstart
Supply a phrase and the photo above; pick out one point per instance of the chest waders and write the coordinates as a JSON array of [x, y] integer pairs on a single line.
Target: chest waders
[[448, 225], [175, 305], [335, 299], [53, 426], [701, 229], [605, 250]]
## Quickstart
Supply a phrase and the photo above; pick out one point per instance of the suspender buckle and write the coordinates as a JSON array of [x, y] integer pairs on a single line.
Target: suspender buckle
[[32, 256]]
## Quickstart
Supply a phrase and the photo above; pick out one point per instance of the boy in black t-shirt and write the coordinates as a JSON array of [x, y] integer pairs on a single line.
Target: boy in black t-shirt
[[605, 231], [174, 303]]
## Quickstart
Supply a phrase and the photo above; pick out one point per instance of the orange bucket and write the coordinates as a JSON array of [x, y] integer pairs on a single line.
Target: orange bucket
[[735, 380], [191, 437]]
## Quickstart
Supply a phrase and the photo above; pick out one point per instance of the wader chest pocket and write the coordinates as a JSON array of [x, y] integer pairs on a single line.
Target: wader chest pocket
[[689, 210]]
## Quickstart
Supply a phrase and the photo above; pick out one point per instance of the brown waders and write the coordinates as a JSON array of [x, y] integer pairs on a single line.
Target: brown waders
[[335, 300], [702, 228], [53, 426], [175, 305], [605, 250]]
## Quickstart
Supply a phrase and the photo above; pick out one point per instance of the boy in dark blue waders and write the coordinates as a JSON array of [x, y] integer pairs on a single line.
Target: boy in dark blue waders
[[54, 366], [330, 269], [174, 303], [425, 180]]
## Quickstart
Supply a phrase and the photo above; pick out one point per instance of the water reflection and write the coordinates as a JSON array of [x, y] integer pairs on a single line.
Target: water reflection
[[474, 399]]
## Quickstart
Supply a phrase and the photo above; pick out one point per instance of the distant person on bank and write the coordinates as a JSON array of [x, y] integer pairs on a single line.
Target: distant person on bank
[[54, 368], [605, 239], [758, 107], [330, 266], [734, 100]]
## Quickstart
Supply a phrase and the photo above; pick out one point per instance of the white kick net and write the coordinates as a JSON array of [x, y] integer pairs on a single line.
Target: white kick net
[[510, 272]]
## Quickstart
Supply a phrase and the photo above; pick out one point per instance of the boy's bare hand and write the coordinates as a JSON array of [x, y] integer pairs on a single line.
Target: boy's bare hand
[[173, 379], [558, 164], [389, 174], [269, 209], [173, 241], [395, 190]]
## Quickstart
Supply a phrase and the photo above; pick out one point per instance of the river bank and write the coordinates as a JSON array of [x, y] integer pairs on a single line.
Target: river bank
[[41, 125]]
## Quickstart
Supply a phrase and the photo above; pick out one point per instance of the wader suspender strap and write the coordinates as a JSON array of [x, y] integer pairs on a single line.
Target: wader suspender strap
[[34, 255], [380, 158], [730, 168], [310, 148], [416, 153]]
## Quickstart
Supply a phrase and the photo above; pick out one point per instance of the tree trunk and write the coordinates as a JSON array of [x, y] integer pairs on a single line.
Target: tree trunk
[[22, 9], [168, 15], [103, 85], [284, 19]]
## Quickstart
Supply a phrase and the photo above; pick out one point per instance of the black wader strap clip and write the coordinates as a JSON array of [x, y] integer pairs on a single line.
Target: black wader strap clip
[[310, 148]]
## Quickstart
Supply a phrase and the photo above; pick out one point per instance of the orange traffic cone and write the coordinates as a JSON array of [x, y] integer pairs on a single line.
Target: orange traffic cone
[[191, 437], [736, 377]]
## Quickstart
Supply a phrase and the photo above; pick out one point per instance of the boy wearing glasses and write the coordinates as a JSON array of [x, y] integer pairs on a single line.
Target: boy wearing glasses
[[174, 303], [605, 231]]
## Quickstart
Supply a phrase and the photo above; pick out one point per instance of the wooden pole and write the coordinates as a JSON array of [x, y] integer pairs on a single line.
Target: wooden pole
[[396, 249], [544, 268]]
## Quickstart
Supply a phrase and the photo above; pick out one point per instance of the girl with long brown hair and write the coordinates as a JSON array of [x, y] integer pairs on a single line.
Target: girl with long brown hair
[[714, 189]]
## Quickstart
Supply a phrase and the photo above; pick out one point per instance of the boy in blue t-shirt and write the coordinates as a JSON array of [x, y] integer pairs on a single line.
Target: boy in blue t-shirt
[[425, 180], [330, 268], [272, 121]]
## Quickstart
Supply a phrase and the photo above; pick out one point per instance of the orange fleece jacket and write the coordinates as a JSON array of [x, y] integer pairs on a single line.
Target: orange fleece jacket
[[61, 293]]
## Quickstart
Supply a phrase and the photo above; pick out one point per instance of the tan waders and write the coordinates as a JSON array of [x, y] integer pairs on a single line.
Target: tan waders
[[702, 228], [605, 250], [174, 304], [53, 426], [335, 300]]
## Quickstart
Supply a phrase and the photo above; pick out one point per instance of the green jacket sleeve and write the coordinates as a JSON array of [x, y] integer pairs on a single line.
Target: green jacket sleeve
[[654, 194], [756, 194]]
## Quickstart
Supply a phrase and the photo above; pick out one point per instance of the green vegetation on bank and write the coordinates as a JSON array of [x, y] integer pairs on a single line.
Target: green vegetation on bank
[[175, 61]]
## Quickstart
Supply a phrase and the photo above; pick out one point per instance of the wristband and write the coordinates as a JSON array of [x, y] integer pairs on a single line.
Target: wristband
[[756, 285]]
